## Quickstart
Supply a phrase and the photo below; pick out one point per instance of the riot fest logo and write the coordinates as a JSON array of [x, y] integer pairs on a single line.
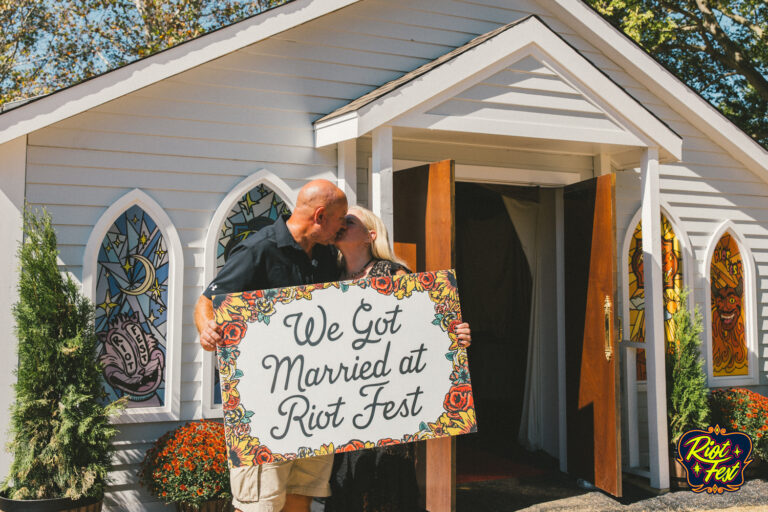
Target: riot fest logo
[[715, 460]]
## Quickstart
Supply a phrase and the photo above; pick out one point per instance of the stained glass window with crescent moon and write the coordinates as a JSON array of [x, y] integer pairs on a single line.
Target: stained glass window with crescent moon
[[132, 309], [729, 342], [257, 208], [672, 284]]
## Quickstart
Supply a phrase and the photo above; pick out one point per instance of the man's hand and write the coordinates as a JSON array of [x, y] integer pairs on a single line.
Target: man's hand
[[210, 333], [210, 337]]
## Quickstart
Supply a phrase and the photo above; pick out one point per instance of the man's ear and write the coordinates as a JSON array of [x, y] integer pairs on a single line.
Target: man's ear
[[320, 214]]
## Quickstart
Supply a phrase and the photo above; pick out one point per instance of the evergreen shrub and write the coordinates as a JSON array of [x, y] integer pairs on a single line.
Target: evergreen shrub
[[60, 429], [687, 392]]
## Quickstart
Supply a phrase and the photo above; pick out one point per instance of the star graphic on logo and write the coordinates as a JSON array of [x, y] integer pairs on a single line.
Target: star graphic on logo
[[737, 451], [696, 469]]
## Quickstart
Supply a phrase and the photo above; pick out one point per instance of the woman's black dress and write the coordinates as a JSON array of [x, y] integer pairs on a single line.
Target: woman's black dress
[[377, 479]]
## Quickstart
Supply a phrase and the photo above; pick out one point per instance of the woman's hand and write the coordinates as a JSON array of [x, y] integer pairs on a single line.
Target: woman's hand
[[464, 334]]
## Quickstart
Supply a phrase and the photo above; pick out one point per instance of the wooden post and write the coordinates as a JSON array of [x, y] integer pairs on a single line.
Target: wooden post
[[381, 177], [347, 169], [654, 321], [13, 158]]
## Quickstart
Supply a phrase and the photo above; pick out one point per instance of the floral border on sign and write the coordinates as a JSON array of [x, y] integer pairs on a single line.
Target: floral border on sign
[[235, 311]]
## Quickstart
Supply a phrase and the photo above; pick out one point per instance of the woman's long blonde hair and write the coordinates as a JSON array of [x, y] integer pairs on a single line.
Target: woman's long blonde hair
[[380, 248]]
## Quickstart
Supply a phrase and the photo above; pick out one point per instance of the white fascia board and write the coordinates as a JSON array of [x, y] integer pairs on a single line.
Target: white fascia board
[[142, 73], [518, 129], [659, 81], [337, 129], [493, 55]]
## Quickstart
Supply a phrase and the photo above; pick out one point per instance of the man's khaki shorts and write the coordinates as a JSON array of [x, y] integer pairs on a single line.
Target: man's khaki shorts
[[263, 488]]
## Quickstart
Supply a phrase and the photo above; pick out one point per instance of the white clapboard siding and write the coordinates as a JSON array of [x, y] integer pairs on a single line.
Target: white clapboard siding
[[189, 139]]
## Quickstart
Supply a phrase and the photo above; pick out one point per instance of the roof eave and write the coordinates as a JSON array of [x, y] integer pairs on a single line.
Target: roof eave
[[531, 31], [661, 82], [145, 72]]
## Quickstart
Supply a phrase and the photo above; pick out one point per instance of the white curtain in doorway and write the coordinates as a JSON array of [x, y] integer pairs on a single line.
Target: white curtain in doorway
[[527, 220]]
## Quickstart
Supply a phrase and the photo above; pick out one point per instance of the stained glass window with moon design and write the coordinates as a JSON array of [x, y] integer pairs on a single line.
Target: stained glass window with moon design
[[729, 343], [132, 309], [257, 208], [672, 274]]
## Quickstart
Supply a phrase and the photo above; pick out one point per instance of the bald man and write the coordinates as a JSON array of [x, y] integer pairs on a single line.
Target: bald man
[[290, 252]]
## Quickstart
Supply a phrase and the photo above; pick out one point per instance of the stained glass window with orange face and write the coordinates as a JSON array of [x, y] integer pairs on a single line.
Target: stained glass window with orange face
[[729, 344], [672, 262]]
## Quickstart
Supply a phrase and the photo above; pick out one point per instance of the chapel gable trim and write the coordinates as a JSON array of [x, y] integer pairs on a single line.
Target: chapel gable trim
[[456, 71]]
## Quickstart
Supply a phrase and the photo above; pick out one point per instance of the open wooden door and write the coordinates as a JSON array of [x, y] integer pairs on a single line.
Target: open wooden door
[[424, 232], [591, 369]]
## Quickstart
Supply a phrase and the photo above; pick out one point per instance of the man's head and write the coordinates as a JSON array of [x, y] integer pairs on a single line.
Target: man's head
[[320, 212]]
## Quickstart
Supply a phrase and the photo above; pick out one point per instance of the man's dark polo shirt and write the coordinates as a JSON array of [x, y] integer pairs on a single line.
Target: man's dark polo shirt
[[271, 258]]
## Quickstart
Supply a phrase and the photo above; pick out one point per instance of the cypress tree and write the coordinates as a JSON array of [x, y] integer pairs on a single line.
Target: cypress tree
[[687, 392], [60, 429]]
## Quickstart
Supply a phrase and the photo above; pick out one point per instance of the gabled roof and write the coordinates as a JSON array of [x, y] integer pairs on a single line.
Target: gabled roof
[[411, 96], [590, 25], [73, 100], [46, 110], [421, 70]]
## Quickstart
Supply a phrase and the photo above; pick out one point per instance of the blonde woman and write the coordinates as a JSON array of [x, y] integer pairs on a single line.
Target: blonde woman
[[379, 479]]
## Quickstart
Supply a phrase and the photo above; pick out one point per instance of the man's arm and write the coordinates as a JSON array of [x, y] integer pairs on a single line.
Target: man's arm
[[210, 333]]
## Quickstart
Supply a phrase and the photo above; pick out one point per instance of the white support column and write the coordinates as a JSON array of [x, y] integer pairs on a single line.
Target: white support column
[[601, 164], [381, 177], [347, 169], [630, 371], [654, 321], [13, 164], [562, 430]]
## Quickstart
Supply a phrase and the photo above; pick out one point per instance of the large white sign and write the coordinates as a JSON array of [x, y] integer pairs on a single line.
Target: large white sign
[[317, 369]]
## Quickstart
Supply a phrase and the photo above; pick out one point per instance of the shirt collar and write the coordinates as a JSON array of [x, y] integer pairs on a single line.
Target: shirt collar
[[283, 235]]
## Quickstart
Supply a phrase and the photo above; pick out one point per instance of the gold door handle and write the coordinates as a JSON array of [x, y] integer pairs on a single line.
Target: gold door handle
[[607, 312]]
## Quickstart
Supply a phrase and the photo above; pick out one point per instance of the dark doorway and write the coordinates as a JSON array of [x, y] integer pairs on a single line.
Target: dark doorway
[[495, 285]]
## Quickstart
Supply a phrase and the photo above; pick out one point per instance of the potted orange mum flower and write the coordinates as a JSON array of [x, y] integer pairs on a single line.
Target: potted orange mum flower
[[188, 466]]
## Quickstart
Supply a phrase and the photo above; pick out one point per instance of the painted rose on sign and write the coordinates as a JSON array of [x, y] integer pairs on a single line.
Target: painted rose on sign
[[344, 366]]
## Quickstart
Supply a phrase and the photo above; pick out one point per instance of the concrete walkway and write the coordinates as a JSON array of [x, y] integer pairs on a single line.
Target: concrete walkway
[[558, 492]]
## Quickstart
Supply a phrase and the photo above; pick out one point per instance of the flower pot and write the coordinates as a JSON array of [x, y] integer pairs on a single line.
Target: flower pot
[[678, 475], [51, 505], [221, 505]]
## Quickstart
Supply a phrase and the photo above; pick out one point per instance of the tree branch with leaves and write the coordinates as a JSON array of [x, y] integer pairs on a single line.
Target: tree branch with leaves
[[718, 47]]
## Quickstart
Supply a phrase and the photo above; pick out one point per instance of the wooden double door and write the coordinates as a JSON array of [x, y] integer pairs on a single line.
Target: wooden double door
[[424, 236]]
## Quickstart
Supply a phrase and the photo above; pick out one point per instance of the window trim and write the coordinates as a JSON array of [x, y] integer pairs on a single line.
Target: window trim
[[278, 186], [173, 339], [750, 309]]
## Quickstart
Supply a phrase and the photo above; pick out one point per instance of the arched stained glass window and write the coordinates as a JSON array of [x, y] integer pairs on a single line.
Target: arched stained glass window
[[132, 279], [729, 343], [673, 285], [257, 208]]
